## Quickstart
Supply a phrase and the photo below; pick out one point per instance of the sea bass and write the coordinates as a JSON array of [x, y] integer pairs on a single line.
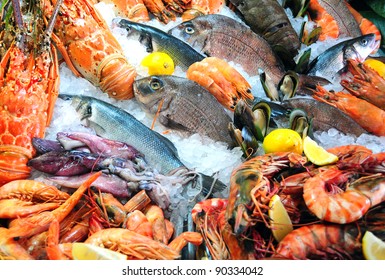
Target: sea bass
[[184, 105], [155, 39], [114, 123], [332, 62], [225, 38]]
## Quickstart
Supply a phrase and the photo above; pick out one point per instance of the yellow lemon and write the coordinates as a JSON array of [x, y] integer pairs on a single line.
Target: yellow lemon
[[280, 222], [316, 154], [373, 247], [283, 140], [158, 63], [85, 251], [376, 65]]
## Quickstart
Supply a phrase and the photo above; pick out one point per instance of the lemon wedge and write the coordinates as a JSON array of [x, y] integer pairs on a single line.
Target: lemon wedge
[[85, 251], [376, 65], [373, 247], [316, 154], [283, 140], [280, 222], [158, 63]]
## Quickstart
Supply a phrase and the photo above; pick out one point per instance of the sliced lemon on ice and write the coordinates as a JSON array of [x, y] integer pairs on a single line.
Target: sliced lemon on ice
[[317, 154], [280, 222], [373, 247], [283, 140], [85, 251], [376, 65], [158, 63]]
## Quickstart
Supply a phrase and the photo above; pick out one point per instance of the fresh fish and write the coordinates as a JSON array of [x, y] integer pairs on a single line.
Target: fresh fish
[[184, 105], [332, 62], [117, 124], [114, 123], [269, 19], [324, 116], [225, 38], [155, 39]]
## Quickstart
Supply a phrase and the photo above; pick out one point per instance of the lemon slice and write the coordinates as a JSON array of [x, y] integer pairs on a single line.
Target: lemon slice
[[376, 65], [280, 222], [316, 154], [373, 247], [84, 251], [158, 63], [283, 140]]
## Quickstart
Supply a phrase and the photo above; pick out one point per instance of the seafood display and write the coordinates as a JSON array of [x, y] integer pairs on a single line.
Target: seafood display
[[101, 159]]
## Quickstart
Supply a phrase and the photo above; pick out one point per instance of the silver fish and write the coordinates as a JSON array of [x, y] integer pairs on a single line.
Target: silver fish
[[185, 106], [114, 123], [155, 39], [332, 62]]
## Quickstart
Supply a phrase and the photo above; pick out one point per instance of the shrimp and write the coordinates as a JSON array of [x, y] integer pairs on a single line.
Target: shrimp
[[132, 244], [221, 80], [320, 241], [367, 115], [11, 249], [31, 225], [340, 206], [366, 83], [251, 188]]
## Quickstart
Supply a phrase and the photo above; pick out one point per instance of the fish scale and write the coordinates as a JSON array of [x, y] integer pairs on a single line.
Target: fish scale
[[187, 106], [117, 124], [223, 37]]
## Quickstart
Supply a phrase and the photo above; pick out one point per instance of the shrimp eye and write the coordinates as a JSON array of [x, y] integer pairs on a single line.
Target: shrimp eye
[[155, 84], [189, 30]]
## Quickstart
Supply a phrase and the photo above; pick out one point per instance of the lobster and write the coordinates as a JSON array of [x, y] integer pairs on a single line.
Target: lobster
[[29, 84], [90, 49]]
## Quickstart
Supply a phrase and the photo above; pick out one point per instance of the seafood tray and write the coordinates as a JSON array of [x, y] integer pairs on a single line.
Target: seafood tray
[[100, 158]]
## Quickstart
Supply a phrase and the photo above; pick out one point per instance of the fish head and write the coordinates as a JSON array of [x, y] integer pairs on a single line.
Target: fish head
[[136, 31], [149, 91], [82, 105], [361, 47], [194, 32]]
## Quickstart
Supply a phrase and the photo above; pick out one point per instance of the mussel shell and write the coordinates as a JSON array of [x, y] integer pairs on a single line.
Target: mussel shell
[[288, 85], [268, 86]]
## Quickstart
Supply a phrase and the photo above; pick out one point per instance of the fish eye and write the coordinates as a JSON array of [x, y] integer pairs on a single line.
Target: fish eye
[[364, 42], [89, 110], [189, 30], [155, 84]]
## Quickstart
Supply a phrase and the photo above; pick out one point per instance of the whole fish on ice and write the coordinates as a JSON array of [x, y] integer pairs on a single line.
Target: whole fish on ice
[[184, 105], [223, 37], [117, 124], [155, 39], [332, 62]]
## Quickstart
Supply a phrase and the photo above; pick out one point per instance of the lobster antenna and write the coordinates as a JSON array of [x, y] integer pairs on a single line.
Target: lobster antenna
[[52, 20], [19, 21]]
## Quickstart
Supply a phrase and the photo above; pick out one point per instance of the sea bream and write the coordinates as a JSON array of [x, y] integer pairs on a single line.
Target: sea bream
[[223, 37], [154, 39], [332, 62], [184, 105]]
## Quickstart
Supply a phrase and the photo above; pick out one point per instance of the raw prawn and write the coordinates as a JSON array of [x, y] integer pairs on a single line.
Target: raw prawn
[[369, 116], [328, 202], [221, 80]]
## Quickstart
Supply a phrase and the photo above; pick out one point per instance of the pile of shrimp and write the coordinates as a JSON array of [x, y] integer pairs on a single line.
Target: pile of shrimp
[[330, 207], [42, 222]]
